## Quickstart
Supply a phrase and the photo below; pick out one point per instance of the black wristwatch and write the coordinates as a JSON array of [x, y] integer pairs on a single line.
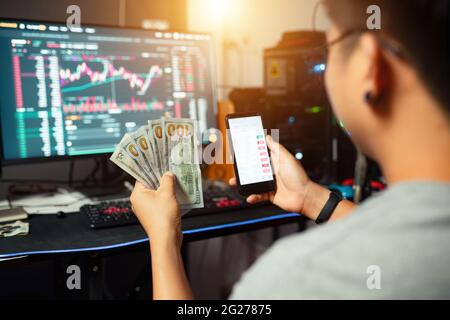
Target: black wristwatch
[[329, 207]]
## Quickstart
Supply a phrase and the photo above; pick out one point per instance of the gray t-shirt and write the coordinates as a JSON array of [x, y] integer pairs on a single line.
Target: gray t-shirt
[[396, 245]]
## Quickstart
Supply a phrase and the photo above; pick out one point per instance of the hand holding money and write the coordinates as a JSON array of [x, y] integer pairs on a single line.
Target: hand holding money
[[158, 211], [164, 145]]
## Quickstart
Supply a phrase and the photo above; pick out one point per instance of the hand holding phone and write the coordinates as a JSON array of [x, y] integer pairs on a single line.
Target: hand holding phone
[[292, 184], [252, 164]]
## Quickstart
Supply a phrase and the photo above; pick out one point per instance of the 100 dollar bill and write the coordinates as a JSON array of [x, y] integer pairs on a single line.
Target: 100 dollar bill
[[129, 146], [180, 151], [142, 141], [156, 132], [127, 164]]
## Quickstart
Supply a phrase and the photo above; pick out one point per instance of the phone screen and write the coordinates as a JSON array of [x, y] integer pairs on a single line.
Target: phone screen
[[250, 150]]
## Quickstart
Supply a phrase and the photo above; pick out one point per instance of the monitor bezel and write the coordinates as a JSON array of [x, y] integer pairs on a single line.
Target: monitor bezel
[[55, 158]]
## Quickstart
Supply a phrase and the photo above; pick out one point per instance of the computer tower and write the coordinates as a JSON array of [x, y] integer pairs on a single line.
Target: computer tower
[[294, 100], [294, 90]]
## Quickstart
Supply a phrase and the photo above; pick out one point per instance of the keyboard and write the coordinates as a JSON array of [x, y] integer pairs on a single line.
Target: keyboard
[[109, 214], [118, 213]]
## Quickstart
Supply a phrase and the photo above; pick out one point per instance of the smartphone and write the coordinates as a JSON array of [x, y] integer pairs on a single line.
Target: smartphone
[[252, 164]]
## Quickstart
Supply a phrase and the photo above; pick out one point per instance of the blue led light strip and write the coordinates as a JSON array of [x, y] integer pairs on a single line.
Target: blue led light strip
[[124, 244]]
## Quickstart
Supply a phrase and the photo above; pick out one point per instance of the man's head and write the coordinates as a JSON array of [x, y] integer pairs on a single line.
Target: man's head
[[376, 79]]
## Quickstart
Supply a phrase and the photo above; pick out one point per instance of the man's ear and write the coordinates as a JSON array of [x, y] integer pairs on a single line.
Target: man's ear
[[377, 77]]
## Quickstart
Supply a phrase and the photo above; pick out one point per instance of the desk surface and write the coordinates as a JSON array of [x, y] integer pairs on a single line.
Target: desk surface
[[71, 234]]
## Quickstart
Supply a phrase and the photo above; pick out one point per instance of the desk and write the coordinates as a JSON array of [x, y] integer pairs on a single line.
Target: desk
[[53, 238], [71, 234]]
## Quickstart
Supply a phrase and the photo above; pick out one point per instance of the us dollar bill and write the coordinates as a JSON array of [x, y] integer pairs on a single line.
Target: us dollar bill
[[180, 150], [129, 146], [127, 164], [154, 150], [157, 135], [141, 138]]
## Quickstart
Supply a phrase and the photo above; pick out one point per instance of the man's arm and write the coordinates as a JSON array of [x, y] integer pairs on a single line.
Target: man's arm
[[315, 199], [168, 274], [159, 214]]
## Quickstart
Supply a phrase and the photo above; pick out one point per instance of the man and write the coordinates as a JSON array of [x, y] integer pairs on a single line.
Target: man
[[390, 89]]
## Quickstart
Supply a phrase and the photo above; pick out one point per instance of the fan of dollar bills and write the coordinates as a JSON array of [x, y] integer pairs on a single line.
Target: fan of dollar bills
[[167, 144]]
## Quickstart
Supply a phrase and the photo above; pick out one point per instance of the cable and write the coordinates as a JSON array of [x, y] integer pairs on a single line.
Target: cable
[[91, 175], [8, 198], [71, 171], [360, 177]]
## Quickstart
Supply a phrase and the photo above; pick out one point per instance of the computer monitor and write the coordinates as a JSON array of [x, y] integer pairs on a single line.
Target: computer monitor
[[68, 92]]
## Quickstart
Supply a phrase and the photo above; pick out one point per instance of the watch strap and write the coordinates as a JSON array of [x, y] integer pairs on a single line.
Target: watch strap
[[329, 207]]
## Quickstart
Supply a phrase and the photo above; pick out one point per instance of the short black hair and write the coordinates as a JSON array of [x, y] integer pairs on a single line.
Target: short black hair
[[420, 26]]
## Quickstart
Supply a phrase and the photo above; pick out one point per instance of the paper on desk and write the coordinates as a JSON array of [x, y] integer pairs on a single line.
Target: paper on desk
[[63, 200], [18, 228]]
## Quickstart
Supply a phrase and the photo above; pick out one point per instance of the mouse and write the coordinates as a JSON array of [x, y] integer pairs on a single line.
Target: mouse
[[61, 214]]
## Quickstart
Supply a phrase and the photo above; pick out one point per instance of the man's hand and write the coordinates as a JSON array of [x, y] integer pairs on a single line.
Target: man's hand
[[158, 211], [159, 214], [295, 191]]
